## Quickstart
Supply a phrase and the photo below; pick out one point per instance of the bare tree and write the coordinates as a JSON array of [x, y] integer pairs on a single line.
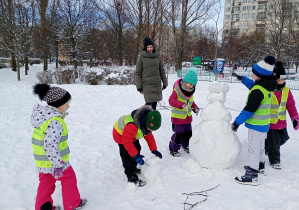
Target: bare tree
[[16, 27], [75, 15], [186, 14]]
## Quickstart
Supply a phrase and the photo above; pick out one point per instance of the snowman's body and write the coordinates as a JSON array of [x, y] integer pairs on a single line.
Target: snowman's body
[[213, 143]]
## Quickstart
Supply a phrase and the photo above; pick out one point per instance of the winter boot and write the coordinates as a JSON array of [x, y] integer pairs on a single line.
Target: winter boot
[[262, 168], [175, 153], [57, 208], [138, 182], [276, 165], [83, 202], [186, 149], [250, 177]]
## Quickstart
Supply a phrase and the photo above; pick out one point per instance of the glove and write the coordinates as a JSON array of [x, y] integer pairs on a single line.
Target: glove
[[185, 106], [140, 90], [164, 87], [138, 159], [235, 127], [157, 153], [295, 123], [196, 110], [237, 76], [57, 172]]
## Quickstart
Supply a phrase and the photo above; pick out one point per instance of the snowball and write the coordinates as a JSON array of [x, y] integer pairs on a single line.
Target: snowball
[[218, 87], [192, 166], [215, 111], [151, 169]]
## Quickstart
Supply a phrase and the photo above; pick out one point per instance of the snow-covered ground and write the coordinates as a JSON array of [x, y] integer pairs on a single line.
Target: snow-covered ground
[[95, 156]]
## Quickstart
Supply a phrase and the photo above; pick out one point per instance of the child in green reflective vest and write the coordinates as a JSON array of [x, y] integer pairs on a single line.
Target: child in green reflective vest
[[127, 131], [256, 115], [182, 103], [51, 151], [282, 101]]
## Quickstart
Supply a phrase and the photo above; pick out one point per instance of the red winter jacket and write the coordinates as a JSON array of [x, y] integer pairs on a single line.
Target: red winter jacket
[[281, 124], [128, 137]]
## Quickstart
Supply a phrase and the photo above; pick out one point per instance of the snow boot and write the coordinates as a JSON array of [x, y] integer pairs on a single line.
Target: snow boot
[[262, 168], [186, 149], [83, 202], [138, 182], [250, 177], [57, 208], [276, 165], [175, 153]]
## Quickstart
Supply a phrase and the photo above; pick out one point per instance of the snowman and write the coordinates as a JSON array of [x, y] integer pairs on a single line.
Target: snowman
[[213, 144]]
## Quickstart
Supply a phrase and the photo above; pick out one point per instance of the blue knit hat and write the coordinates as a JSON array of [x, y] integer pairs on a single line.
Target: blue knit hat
[[191, 76], [264, 68]]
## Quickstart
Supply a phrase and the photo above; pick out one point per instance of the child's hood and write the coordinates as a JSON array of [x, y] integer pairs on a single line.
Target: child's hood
[[269, 85], [41, 114]]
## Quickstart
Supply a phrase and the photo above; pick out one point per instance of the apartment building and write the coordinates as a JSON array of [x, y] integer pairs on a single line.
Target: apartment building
[[244, 16]]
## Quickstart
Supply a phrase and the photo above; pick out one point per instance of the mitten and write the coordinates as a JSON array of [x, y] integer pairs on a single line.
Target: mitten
[[235, 127], [237, 76], [57, 172], [140, 90], [196, 110], [157, 153], [185, 106], [295, 123], [138, 159], [164, 87]]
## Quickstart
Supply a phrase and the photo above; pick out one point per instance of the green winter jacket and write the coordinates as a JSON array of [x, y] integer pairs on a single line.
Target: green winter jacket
[[149, 73]]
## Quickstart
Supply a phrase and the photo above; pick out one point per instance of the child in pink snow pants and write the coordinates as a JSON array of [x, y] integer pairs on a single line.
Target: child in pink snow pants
[[70, 192], [51, 151]]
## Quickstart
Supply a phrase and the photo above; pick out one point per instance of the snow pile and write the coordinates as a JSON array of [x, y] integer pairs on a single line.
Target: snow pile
[[213, 143]]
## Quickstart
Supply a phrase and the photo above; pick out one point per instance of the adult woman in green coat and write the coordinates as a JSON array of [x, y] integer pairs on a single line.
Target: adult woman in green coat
[[150, 74]]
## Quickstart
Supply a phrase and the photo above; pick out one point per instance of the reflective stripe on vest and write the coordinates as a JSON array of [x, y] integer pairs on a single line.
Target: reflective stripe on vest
[[262, 114], [181, 113], [278, 111], [120, 124], [38, 141]]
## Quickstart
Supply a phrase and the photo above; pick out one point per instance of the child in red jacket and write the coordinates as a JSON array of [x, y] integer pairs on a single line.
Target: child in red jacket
[[182, 103], [127, 131], [281, 101]]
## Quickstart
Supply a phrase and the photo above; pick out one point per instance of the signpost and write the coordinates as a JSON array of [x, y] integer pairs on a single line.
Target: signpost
[[218, 65]]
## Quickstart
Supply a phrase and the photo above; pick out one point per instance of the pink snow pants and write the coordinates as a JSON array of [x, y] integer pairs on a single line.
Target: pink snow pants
[[70, 192]]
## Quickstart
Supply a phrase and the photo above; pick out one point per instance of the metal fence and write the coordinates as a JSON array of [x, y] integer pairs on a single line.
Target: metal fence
[[291, 82]]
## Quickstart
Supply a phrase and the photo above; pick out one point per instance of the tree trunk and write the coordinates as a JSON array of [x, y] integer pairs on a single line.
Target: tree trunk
[[26, 65], [18, 69], [13, 63]]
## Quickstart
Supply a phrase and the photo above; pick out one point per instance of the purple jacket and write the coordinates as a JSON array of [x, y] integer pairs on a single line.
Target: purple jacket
[[281, 124]]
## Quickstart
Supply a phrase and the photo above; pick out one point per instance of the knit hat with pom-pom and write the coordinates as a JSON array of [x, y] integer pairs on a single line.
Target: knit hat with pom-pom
[[54, 96], [264, 68], [279, 71]]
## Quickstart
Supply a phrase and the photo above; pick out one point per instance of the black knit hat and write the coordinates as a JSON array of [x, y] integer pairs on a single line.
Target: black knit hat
[[147, 41], [279, 71], [54, 96]]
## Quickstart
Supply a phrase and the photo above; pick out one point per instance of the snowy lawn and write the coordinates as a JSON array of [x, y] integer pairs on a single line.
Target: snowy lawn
[[96, 161]]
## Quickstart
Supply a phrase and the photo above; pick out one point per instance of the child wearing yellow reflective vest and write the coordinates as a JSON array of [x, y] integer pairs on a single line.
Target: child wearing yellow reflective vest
[[256, 115], [282, 100], [51, 150], [127, 131], [183, 104]]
